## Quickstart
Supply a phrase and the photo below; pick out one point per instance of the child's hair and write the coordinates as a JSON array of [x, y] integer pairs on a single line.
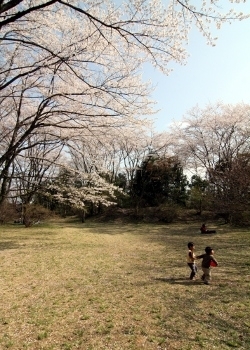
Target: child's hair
[[190, 244], [208, 250]]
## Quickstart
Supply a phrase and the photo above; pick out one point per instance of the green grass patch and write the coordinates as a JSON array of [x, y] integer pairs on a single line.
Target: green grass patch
[[88, 286]]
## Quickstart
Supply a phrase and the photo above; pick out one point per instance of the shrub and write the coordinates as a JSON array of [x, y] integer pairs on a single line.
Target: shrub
[[167, 213], [34, 213], [7, 212]]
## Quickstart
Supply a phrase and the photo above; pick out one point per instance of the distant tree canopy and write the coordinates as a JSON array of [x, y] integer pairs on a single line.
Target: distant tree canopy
[[215, 141], [159, 180], [229, 183]]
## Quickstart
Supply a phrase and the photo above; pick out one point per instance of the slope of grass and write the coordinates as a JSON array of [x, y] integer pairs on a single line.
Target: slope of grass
[[67, 286]]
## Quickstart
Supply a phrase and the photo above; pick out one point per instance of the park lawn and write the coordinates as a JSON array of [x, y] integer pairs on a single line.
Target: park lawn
[[67, 286]]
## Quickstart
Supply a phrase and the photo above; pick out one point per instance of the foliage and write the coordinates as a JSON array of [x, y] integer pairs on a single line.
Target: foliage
[[214, 141], [230, 186], [160, 214], [198, 197], [159, 180], [8, 212], [33, 214], [72, 191]]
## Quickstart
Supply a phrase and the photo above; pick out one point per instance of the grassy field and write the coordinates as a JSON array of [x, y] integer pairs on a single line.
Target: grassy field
[[67, 286]]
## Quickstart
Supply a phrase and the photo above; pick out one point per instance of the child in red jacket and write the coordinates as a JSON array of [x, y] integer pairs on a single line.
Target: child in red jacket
[[207, 261]]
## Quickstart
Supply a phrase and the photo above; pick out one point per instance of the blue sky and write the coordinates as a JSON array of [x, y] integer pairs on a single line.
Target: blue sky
[[220, 73]]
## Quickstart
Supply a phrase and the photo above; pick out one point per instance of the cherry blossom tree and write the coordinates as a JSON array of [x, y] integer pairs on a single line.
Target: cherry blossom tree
[[218, 133], [119, 152], [77, 192], [158, 31], [215, 142], [72, 69]]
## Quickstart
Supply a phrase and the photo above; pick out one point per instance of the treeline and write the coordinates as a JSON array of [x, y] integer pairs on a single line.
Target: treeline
[[203, 163]]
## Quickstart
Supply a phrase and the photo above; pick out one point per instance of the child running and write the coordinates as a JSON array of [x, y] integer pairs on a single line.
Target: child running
[[191, 260], [207, 258]]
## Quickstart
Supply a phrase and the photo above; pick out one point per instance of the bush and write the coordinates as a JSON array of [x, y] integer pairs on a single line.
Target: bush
[[8, 212], [164, 213], [167, 213], [34, 213], [241, 218]]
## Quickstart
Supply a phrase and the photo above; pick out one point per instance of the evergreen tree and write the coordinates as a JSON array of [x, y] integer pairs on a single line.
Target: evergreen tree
[[159, 180], [198, 196]]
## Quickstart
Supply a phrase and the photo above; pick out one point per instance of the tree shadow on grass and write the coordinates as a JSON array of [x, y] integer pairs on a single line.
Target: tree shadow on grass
[[8, 245], [184, 281]]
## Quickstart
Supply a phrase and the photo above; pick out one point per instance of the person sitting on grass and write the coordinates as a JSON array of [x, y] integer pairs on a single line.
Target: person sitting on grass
[[207, 261], [203, 229]]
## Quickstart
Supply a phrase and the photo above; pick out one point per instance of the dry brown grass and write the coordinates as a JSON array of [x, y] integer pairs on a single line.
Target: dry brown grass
[[67, 286]]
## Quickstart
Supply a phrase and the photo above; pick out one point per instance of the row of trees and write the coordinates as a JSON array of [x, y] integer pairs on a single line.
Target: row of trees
[[201, 163], [217, 145], [73, 100]]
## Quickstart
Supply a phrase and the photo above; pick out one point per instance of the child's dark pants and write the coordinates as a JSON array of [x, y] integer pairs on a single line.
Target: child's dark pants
[[194, 270]]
